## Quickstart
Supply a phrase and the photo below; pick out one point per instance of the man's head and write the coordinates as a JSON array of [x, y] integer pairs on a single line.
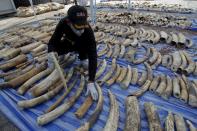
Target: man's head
[[78, 16]]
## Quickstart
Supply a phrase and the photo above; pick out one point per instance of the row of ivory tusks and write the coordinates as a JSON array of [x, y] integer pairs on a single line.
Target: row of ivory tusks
[[129, 33], [150, 6], [39, 9], [144, 18]]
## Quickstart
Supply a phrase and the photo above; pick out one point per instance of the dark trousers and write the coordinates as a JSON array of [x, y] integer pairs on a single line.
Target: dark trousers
[[66, 47]]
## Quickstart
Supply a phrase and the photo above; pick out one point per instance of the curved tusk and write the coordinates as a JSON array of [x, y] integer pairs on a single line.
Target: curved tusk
[[87, 125], [103, 51], [110, 51], [191, 64], [126, 81], [162, 86], [114, 77], [154, 83], [13, 62], [38, 100], [167, 61], [134, 77], [184, 93], [101, 69], [153, 117], [116, 51], [174, 38], [133, 121], [169, 123], [169, 88], [154, 56], [183, 62], [122, 51], [158, 61], [109, 74], [181, 39], [195, 71], [180, 123], [191, 126], [142, 90], [176, 61], [188, 43], [48, 117], [84, 107], [130, 54], [142, 78], [112, 122], [38, 49], [122, 75], [149, 71], [164, 36], [192, 94], [22, 89], [28, 48], [11, 54], [176, 87], [134, 43], [156, 37], [144, 58]]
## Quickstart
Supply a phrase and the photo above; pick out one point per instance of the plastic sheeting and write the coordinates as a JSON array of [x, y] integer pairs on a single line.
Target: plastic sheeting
[[26, 119]]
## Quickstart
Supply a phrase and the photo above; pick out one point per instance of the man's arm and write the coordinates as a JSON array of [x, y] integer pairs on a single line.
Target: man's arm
[[56, 37], [92, 55]]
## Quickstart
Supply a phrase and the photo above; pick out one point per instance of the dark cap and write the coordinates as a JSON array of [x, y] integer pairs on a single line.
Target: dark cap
[[78, 16]]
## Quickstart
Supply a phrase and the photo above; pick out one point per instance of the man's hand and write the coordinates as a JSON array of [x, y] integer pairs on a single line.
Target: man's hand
[[91, 89]]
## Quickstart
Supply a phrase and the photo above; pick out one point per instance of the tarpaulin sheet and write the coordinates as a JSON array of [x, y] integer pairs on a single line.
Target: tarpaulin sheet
[[26, 119]]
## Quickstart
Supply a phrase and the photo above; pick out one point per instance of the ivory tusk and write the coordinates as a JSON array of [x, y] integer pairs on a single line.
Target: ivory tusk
[[195, 71], [174, 38], [126, 81], [11, 53], [114, 77], [191, 126], [169, 88], [133, 121], [28, 84], [192, 94], [87, 125], [142, 78], [183, 62], [188, 43], [176, 87], [134, 77], [142, 90], [38, 100], [40, 48], [103, 51], [161, 86], [109, 74], [167, 61], [116, 51], [176, 62], [149, 71], [122, 75], [156, 37], [154, 56], [154, 83], [84, 107], [144, 58], [122, 51], [169, 122], [48, 117], [157, 62], [110, 51], [112, 122], [130, 53], [181, 39], [153, 117], [184, 93], [164, 36], [180, 123], [191, 64], [101, 69]]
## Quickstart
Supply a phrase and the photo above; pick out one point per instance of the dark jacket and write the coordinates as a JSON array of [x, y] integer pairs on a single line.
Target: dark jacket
[[64, 38]]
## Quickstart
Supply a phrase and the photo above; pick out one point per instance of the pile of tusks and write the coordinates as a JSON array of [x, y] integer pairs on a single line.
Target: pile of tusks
[[133, 36], [149, 6], [43, 82], [132, 18]]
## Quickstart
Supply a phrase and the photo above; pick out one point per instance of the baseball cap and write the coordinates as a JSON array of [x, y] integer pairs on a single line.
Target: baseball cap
[[78, 16]]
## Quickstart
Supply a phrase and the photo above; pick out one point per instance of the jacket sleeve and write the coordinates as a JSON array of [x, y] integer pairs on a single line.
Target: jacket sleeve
[[56, 37], [92, 55]]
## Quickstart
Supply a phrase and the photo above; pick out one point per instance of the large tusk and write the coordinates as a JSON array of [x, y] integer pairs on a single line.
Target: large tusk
[[22, 89], [130, 53], [154, 83], [154, 56], [122, 75], [188, 43], [134, 77], [169, 88], [183, 62], [162, 85], [180, 123], [157, 62], [116, 51], [169, 123], [156, 37], [103, 51], [24, 77], [176, 87], [167, 61], [61, 98], [142, 90], [184, 93], [101, 69], [110, 51], [174, 38], [176, 62], [134, 43], [13, 62], [133, 121], [149, 71], [112, 122], [142, 78], [164, 36], [95, 114], [153, 117], [126, 81], [84, 107], [181, 39], [192, 94], [122, 51], [195, 71], [10, 54], [109, 74], [191, 64], [191, 126], [48, 117], [144, 58], [114, 77], [38, 100], [38, 49]]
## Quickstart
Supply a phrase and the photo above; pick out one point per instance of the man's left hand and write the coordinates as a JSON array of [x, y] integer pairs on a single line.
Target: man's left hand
[[91, 89]]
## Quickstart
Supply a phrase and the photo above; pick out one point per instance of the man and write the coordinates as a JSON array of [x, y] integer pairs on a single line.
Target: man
[[73, 33]]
